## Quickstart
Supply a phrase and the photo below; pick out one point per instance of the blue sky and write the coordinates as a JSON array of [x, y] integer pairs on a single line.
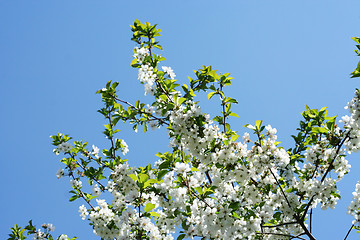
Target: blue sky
[[54, 55]]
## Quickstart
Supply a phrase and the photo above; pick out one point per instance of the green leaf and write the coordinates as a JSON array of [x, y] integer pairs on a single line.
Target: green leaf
[[149, 207], [163, 97], [218, 119], [199, 190], [234, 205], [234, 138], [211, 94], [165, 164], [149, 182], [235, 215], [159, 47], [181, 237], [194, 169], [356, 72], [258, 124], [277, 215], [134, 177], [145, 127], [133, 62], [162, 173], [356, 39], [249, 126], [323, 109], [227, 108], [154, 214], [233, 114], [290, 190], [214, 74], [143, 177], [73, 198], [319, 130], [231, 100], [181, 100]]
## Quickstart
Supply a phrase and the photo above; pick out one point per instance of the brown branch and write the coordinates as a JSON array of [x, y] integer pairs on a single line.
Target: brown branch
[[208, 176]]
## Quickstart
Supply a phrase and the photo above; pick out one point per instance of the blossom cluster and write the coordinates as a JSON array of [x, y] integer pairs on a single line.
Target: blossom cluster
[[42, 235], [76, 183], [140, 54], [352, 123], [169, 71], [231, 186], [354, 207], [147, 77], [146, 73], [211, 185], [64, 147], [353, 144], [246, 173]]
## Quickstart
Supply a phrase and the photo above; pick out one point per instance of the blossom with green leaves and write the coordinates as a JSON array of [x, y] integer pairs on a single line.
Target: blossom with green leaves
[[214, 183]]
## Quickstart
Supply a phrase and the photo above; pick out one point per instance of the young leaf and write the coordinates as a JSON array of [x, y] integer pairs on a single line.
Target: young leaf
[[149, 207]]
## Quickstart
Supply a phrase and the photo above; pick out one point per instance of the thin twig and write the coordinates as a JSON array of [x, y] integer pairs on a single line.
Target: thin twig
[[311, 211], [103, 187], [283, 235], [349, 231], [161, 120], [280, 224], [82, 194]]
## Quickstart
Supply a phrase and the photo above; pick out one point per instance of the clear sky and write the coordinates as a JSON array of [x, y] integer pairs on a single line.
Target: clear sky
[[54, 55]]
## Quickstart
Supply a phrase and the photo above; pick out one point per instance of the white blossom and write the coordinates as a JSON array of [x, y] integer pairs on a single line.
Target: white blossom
[[60, 173], [64, 147], [169, 71], [95, 151], [83, 212], [96, 190], [76, 183], [63, 237]]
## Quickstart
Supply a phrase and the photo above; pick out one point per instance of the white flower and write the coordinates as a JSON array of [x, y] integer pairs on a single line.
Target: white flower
[[125, 147], [140, 54], [50, 227], [83, 212], [95, 151], [76, 183], [96, 190], [246, 137], [60, 173], [39, 235], [153, 125], [64, 147], [110, 186], [169, 71], [63, 237], [271, 131], [181, 167]]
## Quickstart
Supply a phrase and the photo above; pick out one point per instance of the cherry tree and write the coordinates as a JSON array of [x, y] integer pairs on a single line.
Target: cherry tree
[[213, 184]]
